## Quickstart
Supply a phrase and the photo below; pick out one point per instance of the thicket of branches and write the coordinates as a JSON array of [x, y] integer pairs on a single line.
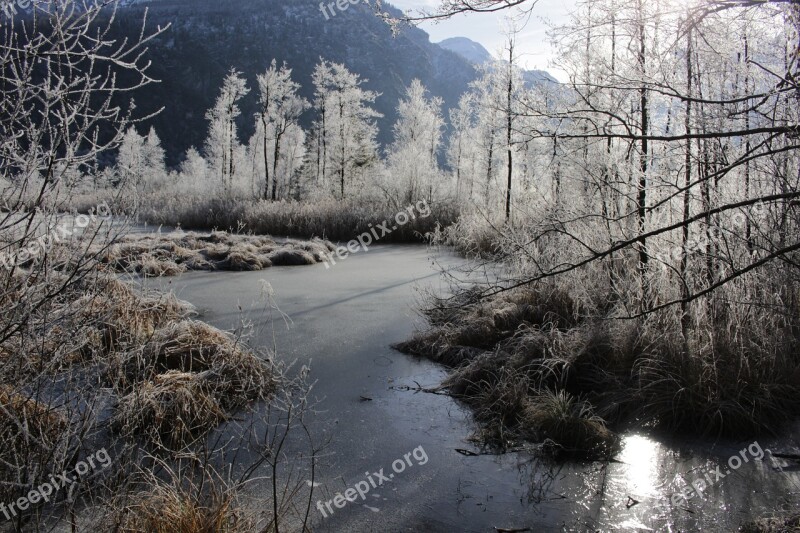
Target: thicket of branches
[[88, 361], [650, 223]]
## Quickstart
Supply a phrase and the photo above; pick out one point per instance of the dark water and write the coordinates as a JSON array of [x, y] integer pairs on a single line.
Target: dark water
[[342, 322]]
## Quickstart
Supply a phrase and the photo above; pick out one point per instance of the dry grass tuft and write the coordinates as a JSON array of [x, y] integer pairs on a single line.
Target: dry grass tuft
[[571, 424], [234, 374], [188, 346], [30, 433], [173, 409], [183, 508], [511, 406], [116, 318], [179, 377], [173, 254], [184, 380], [245, 261], [71, 335], [22, 417], [199, 263], [151, 267], [91, 319], [288, 257]]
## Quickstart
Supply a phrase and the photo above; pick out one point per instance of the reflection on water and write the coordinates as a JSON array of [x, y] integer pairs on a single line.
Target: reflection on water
[[639, 459], [637, 491], [637, 488]]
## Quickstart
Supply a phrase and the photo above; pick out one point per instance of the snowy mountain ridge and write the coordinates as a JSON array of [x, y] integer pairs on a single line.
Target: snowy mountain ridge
[[477, 54]]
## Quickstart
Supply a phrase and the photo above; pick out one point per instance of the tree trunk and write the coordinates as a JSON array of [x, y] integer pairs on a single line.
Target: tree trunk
[[687, 180], [230, 150], [266, 159], [748, 228], [458, 169], [489, 167], [510, 126], [276, 156], [324, 144], [641, 203], [342, 140]]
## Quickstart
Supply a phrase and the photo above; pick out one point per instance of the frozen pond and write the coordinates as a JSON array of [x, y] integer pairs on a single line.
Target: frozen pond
[[343, 321]]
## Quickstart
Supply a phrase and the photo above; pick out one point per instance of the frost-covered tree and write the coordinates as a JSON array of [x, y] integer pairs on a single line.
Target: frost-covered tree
[[291, 160], [512, 92], [222, 145], [669, 206], [280, 109], [194, 168], [140, 162], [322, 73], [489, 134], [345, 131], [462, 122], [153, 152], [413, 156], [130, 160], [155, 170]]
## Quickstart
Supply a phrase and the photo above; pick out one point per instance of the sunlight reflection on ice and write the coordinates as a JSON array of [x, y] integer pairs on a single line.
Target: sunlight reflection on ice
[[639, 472], [636, 499]]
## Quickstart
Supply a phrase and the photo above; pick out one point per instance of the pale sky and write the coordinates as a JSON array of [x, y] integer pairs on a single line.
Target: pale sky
[[487, 29]]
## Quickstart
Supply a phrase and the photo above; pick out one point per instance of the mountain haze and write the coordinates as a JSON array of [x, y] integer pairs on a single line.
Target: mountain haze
[[468, 49], [476, 54]]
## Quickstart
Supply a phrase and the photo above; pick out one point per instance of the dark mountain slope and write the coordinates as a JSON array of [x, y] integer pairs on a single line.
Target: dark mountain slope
[[208, 37]]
